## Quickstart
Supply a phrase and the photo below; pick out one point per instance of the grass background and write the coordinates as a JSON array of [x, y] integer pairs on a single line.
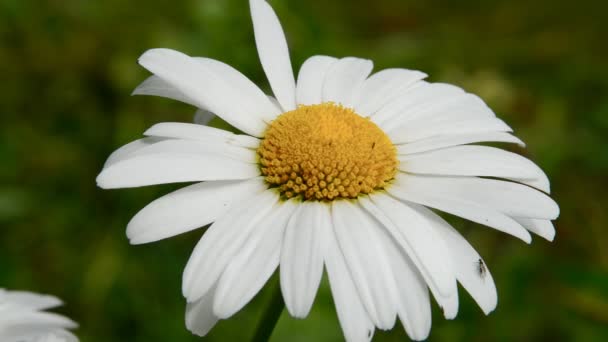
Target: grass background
[[69, 66]]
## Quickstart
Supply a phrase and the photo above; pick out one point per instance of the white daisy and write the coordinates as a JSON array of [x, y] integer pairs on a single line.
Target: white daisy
[[22, 318], [336, 170]]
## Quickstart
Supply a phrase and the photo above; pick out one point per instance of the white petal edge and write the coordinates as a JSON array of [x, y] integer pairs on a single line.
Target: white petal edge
[[188, 208], [156, 86], [423, 190], [383, 87], [188, 131], [365, 257], [253, 265], [344, 78], [309, 89], [222, 241], [450, 140], [212, 90], [466, 262], [199, 314], [274, 53], [474, 160], [354, 319], [29, 300], [542, 228], [302, 258], [421, 129]]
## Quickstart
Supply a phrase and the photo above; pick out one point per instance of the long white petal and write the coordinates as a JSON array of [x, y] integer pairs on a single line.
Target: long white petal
[[415, 236], [210, 135], [451, 195], [302, 258], [466, 262], [29, 300], [156, 86], [199, 314], [383, 87], [476, 161], [251, 267], [413, 303], [450, 140], [125, 151], [542, 228], [364, 254], [309, 89], [222, 241], [354, 319], [188, 208], [424, 129], [212, 90], [274, 53], [344, 78], [174, 161]]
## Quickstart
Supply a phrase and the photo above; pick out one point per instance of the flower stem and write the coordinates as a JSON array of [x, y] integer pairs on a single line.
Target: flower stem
[[270, 317]]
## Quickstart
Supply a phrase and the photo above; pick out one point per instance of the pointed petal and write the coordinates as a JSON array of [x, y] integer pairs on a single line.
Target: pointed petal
[[424, 129], [354, 319], [450, 140], [251, 268], [344, 78], [29, 300], [476, 161], [364, 254], [274, 53], [125, 151], [156, 86], [173, 161], [302, 258], [383, 87], [473, 200], [188, 208], [542, 228], [222, 241], [212, 86], [188, 131], [309, 89], [199, 314], [480, 285]]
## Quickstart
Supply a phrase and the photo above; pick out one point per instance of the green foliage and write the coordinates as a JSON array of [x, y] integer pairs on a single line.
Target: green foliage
[[68, 68]]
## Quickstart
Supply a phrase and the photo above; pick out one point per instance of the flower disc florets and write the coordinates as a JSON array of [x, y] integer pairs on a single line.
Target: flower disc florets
[[326, 152]]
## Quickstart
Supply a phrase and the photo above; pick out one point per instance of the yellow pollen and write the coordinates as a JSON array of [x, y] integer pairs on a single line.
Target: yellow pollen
[[326, 152]]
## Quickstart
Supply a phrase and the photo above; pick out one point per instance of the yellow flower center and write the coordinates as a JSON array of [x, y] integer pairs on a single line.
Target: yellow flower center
[[326, 152]]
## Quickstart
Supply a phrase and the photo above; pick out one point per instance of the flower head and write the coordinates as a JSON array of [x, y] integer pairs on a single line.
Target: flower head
[[337, 172], [22, 318]]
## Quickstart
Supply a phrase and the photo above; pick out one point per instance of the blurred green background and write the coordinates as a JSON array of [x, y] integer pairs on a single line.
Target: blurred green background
[[68, 68]]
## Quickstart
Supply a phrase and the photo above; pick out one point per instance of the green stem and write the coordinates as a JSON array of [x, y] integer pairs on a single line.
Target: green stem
[[270, 317]]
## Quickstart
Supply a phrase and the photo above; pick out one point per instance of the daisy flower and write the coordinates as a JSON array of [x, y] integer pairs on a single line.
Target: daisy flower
[[337, 171], [22, 318]]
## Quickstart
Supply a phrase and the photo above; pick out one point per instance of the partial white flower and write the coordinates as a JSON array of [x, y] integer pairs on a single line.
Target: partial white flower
[[336, 172], [23, 319]]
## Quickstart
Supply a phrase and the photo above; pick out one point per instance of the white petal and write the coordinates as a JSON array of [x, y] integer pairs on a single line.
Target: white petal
[[354, 319], [202, 117], [466, 262], [274, 53], [413, 233], [344, 78], [179, 130], [543, 228], [302, 257], [364, 254], [126, 150], [383, 87], [199, 314], [35, 318], [188, 208], [424, 129], [257, 259], [156, 86], [212, 90], [173, 161], [222, 241], [413, 303], [309, 89], [29, 300], [443, 141], [476, 161], [453, 196]]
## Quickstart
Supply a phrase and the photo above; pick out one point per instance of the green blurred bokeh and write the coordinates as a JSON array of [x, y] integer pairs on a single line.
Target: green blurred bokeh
[[67, 68]]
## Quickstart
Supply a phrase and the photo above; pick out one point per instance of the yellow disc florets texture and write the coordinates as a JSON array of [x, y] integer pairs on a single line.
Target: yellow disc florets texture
[[326, 152]]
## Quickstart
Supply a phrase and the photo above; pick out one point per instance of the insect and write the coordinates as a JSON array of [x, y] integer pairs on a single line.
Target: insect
[[481, 268]]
